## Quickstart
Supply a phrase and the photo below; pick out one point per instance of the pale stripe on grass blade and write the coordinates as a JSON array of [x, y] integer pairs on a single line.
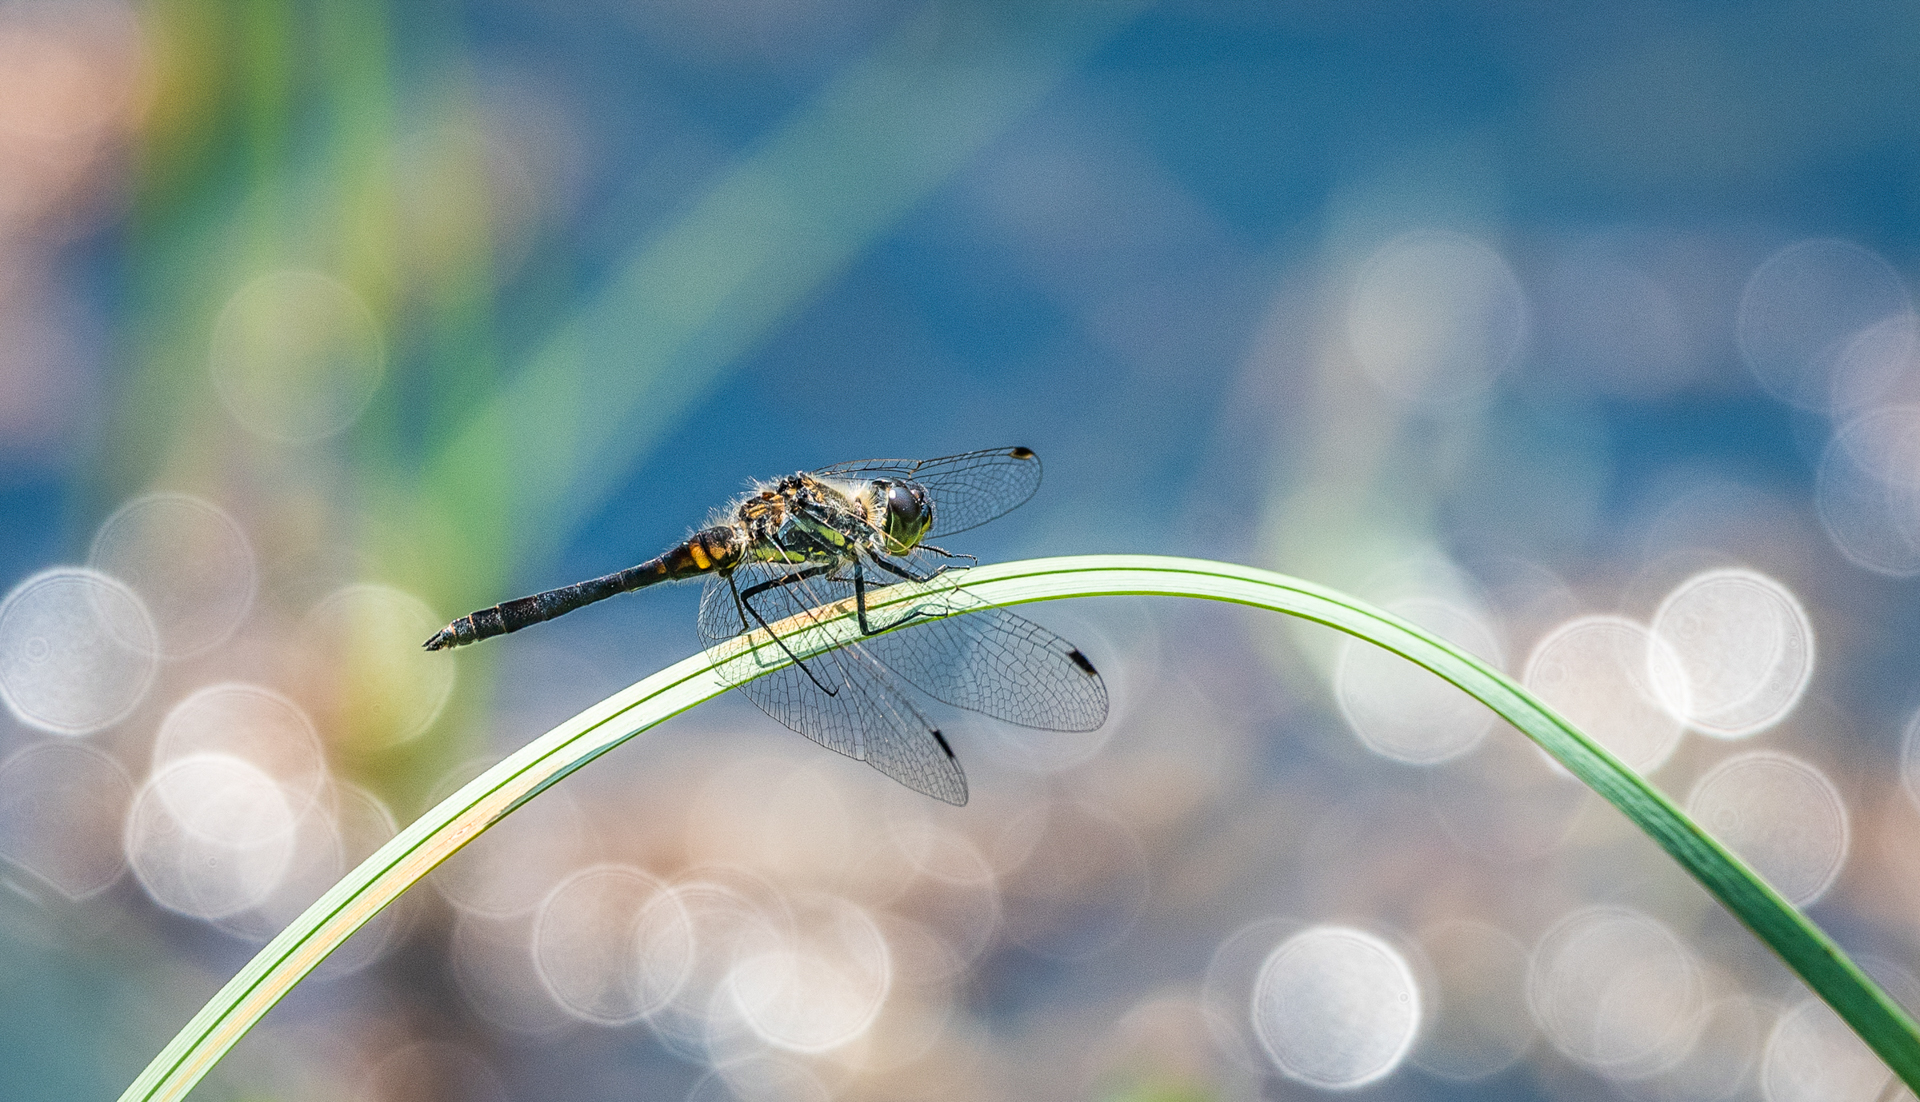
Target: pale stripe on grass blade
[[484, 801]]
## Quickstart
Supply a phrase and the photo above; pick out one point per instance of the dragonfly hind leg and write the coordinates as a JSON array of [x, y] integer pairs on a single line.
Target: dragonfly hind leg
[[860, 593], [745, 608]]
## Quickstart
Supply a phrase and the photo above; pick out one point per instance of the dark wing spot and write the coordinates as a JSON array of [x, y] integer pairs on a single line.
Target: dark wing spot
[[1080, 660], [1021, 453], [942, 740]]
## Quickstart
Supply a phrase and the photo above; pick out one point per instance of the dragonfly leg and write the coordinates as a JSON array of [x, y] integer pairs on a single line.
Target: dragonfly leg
[[944, 553], [901, 571], [860, 593], [746, 609], [785, 579], [860, 598]]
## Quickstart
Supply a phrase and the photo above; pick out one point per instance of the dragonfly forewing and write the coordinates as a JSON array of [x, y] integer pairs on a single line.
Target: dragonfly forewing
[[968, 490]]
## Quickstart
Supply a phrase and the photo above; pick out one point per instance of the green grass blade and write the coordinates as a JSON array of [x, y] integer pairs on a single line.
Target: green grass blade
[[484, 801]]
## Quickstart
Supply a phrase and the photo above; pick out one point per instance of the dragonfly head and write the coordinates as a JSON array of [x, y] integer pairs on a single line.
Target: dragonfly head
[[909, 515]]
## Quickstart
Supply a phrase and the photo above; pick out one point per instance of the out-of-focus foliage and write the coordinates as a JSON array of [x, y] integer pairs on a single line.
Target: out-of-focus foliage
[[1585, 338]]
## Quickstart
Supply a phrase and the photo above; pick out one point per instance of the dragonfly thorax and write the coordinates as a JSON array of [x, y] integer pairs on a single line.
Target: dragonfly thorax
[[803, 519]]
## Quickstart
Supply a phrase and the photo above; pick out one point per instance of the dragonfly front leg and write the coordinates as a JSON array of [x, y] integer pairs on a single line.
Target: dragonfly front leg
[[942, 568]]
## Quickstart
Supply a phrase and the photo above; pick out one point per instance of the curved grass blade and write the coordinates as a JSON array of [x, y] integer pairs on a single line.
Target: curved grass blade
[[1878, 1020]]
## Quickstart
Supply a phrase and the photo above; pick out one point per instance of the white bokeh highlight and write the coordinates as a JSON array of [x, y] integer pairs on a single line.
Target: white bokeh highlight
[[77, 651], [821, 985], [1813, 1056], [336, 831], [1616, 992], [1336, 1007], [1781, 815], [1615, 681], [1745, 646], [189, 561], [252, 723], [761, 1077], [1803, 307], [1226, 990], [736, 917], [210, 836], [62, 808], [612, 944], [1403, 711], [1910, 759], [1867, 491], [1435, 317], [1877, 365]]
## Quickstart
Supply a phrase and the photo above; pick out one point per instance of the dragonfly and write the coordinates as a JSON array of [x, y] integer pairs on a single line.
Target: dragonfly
[[791, 553]]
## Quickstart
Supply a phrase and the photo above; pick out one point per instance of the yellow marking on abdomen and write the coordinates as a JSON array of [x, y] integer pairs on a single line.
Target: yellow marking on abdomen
[[699, 554]]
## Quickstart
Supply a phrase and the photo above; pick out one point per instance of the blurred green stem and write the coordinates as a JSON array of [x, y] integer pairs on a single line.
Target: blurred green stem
[[496, 793]]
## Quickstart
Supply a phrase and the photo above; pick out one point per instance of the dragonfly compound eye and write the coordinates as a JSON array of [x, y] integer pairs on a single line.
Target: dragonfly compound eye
[[908, 515]]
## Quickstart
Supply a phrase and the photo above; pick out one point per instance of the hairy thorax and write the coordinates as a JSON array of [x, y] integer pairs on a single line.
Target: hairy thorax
[[803, 519]]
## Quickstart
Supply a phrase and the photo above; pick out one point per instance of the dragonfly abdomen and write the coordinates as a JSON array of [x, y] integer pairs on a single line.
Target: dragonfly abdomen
[[704, 552], [708, 550]]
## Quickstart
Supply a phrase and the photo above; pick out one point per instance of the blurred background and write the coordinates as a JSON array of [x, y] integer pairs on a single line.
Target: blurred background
[[1585, 338]]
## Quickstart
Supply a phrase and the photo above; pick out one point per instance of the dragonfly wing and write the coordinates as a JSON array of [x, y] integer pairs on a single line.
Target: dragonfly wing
[[766, 595], [842, 699], [865, 717], [967, 490], [1001, 665]]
